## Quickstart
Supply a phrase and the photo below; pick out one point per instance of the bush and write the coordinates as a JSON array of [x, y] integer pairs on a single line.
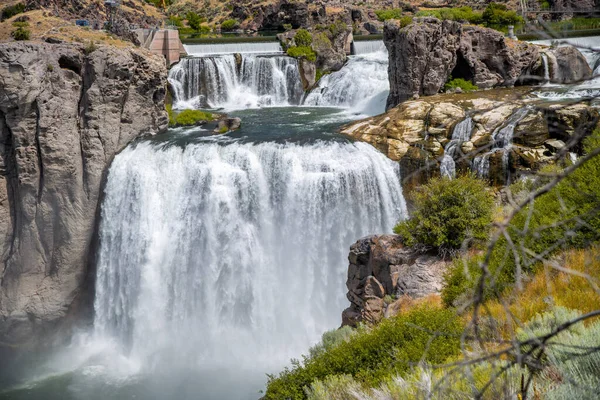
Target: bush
[[462, 14], [229, 25], [302, 52], [11, 11], [496, 14], [331, 339], [303, 38], [188, 117], [21, 33], [175, 20], [337, 28], [384, 15], [447, 213], [465, 86], [371, 356], [194, 20]]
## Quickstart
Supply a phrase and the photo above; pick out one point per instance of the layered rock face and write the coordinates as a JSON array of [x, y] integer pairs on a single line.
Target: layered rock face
[[417, 132], [64, 113], [426, 53], [382, 266]]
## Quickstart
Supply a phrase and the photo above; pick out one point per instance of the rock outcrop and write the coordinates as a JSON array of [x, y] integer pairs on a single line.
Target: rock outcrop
[[426, 53], [65, 111], [382, 266], [417, 132]]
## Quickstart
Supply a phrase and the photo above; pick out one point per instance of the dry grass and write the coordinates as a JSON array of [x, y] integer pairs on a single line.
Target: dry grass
[[575, 287], [42, 25]]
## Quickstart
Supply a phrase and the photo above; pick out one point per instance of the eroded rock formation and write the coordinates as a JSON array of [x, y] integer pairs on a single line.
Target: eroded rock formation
[[416, 132], [65, 111], [382, 266]]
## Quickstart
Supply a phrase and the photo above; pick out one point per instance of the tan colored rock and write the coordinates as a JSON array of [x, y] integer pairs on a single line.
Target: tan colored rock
[[443, 117], [397, 149], [467, 147], [492, 119], [532, 130]]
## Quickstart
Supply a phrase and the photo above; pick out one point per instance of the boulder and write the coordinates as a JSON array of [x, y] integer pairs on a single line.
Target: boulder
[[570, 66], [65, 112], [228, 125], [382, 266]]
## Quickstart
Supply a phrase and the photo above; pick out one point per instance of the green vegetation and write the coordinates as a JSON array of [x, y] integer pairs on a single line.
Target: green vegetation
[[384, 15], [303, 38], [575, 23], [159, 3], [565, 217], [495, 15], [188, 117], [229, 25], [462, 14], [459, 83], [320, 74], [448, 214], [175, 21], [194, 20], [90, 48], [370, 356], [21, 33], [337, 28], [10, 11]]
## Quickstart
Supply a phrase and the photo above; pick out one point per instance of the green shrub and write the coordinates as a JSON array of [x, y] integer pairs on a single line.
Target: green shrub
[[337, 28], [370, 356], [11, 11], [187, 117], [496, 14], [175, 21], [447, 213], [462, 14], [302, 52], [330, 339], [303, 38], [465, 86], [229, 25], [21, 33], [90, 48], [384, 15], [194, 20]]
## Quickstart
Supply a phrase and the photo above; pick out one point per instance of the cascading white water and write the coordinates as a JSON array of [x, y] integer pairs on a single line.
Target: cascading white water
[[546, 68], [461, 133], [222, 82], [503, 137], [362, 85], [199, 50], [368, 47], [234, 255]]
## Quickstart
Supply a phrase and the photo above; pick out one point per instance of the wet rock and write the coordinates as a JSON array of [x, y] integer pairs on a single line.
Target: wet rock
[[228, 125], [532, 130], [554, 145]]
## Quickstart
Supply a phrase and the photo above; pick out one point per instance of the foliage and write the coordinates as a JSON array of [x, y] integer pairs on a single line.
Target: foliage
[[462, 14], [90, 48], [303, 38], [229, 25], [423, 334], [497, 14], [21, 33], [384, 15], [175, 20], [464, 85], [575, 23], [448, 213], [10, 11], [159, 3], [302, 52], [337, 28], [194, 20], [187, 117], [330, 339]]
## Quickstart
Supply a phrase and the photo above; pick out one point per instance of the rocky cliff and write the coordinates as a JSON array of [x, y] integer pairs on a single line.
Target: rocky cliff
[[65, 111], [417, 133], [382, 268], [426, 53]]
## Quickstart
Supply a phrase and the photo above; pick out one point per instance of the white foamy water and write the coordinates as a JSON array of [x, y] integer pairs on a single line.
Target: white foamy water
[[221, 82], [461, 133], [198, 50], [234, 256]]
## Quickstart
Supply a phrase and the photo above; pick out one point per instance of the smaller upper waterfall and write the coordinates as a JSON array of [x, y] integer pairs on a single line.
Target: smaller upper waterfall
[[368, 47], [462, 133], [198, 50], [361, 86], [236, 81], [502, 137]]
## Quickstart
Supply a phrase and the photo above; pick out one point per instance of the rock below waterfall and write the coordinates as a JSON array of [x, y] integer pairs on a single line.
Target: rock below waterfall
[[413, 133], [382, 266], [228, 125], [64, 114]]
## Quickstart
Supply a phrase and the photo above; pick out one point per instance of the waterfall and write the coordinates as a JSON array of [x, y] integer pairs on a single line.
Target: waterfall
[[236, 82], [361, 86], [461, 133], [368, 47], [234, 255], [199, 50], [502, 137], [546, 68]]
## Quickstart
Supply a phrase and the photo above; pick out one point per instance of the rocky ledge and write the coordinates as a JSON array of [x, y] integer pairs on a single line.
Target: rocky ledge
[[65, 111], [416, 132], [382, 268], [424, 54]]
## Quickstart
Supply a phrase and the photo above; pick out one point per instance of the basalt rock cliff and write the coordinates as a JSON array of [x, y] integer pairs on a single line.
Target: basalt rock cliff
[[65, 111]]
